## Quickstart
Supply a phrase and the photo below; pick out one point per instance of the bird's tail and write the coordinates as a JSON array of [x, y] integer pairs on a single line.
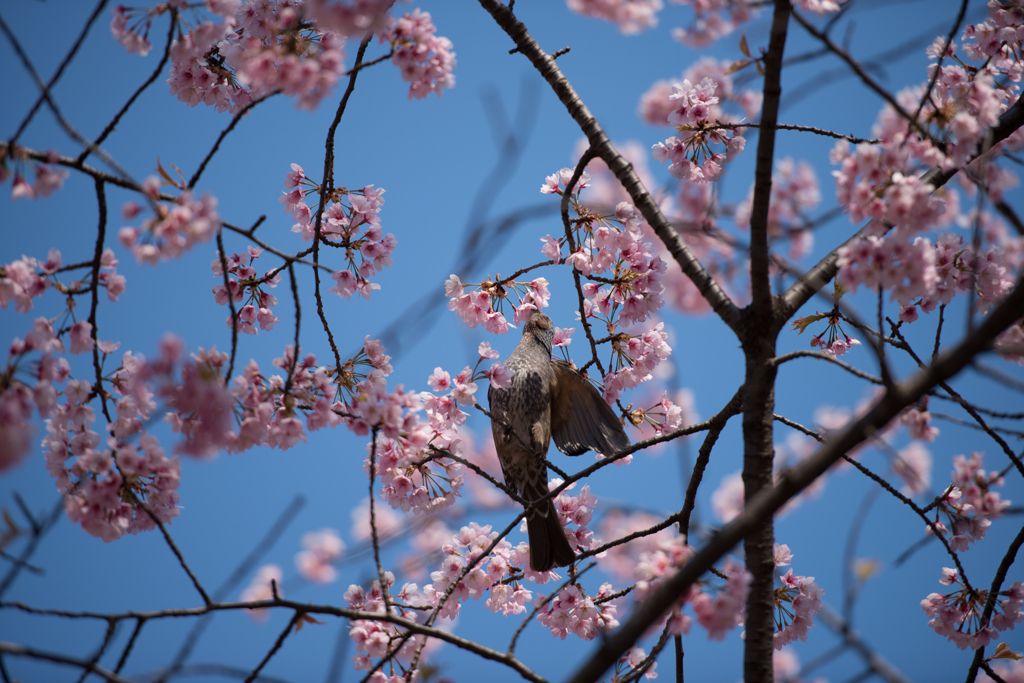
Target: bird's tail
[[548, 545]]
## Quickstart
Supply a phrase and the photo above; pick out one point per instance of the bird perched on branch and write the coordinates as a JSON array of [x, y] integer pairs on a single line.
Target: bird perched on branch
[[546, 399]]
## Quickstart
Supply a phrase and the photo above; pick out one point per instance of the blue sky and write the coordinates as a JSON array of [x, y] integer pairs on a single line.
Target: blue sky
[[436, 159]]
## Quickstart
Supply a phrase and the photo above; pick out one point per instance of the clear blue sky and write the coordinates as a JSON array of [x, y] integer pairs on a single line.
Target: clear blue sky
[[433, 158]]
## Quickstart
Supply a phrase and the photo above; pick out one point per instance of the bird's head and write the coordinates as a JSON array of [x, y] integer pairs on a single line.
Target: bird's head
[[541, 328]]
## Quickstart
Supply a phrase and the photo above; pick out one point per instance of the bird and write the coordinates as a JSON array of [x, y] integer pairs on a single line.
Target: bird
[[546, 399]]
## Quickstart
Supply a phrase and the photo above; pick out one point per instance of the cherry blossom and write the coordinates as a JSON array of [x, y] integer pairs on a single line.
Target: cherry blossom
[[632, 16], [794, 193], [174, 228], [656, 105], [724, 612], [969, 504], [957, 615], [797, 601], [713, 20], [636, 357], [256, 49], [246, 286], [322, 549], [424, 59], [691, 153], [914, 465], [484, 305]]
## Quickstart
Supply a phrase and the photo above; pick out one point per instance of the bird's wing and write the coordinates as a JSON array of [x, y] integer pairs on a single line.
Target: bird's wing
[[580, 418]]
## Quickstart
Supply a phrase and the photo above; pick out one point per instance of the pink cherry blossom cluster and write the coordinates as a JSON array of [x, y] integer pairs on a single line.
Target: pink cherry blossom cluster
[[372, 600], [501, 571], [877, 182], [409, 481], [718, 609], [691, 153], [713, 19], [796, 602], [833, 340], [957, 615], [913, 464], [635, 272], [350, 222], [1010, 344], [20, 283], [966, 98], [919, 422], [246, 286], [998, 37], [976, 484], [377, 639], [409, 455], [970, 504], [577, 510], [631, 16], [351, 18], [925, 275], [322, 549], [269, 406], [174, 228], [424, 59], [657, 104], [907, 269], [573, 611], [724, 611], [665, 416], [114, 485], [496, 572], [622, 560], [201, 408], [695, 205], [794, 193], [634, 360], [258, 48], [19, 395], [105, 489], [630, 662], [557, 183], [819, 6], [484, 304], [135, 37], [48, 179]]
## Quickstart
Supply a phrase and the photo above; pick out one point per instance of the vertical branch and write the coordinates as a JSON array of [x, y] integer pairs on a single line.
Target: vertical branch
[[570, 243], [326, 185], [760, 285], [373, 525], [298, 320], [101, 231], [759, 333], [716, 425], [231, 303], [883, 367]]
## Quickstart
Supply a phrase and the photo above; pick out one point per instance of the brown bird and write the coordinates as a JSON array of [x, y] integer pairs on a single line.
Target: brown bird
[[546, 399]]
